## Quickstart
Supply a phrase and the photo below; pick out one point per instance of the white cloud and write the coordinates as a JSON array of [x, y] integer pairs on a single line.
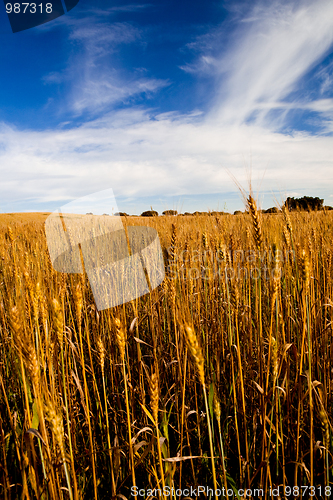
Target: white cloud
[[138, 156]]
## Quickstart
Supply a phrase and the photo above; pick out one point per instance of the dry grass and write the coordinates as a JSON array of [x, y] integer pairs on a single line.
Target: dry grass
[[221, 376]]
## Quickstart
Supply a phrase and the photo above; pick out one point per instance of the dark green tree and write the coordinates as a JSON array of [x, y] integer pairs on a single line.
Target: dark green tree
[[305, 203]]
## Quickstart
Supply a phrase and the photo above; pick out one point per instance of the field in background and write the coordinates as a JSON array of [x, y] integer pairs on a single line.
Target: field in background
[[220, 377]]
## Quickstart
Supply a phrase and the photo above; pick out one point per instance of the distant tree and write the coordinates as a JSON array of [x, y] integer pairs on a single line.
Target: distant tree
[[170, 212], [121, 214], [305, 203], [238, 212], [149, 213], [272, 210]]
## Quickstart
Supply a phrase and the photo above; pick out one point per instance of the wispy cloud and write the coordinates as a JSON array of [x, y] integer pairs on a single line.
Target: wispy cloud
[[99, 39], [130, 7], [95, 80], [325, 76], [95, 94], [265, 57]]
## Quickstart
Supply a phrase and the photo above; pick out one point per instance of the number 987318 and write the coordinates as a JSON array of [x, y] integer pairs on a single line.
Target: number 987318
[[31, 8]]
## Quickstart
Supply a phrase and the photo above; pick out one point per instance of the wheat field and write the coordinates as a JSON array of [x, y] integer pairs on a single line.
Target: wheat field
[[220, 377]]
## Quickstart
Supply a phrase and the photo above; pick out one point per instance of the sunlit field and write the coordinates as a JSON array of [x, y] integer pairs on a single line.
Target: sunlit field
[[220, 378]]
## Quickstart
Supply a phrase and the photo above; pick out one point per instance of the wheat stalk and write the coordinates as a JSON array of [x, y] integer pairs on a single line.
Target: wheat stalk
[[196, 352], [256, 221]]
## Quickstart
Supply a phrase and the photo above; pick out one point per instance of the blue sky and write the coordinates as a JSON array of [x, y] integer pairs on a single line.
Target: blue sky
[[165, 102]]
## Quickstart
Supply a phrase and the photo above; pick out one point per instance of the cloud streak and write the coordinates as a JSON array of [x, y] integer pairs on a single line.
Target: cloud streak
[[139, 156], [93, 76], [267, 55]]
